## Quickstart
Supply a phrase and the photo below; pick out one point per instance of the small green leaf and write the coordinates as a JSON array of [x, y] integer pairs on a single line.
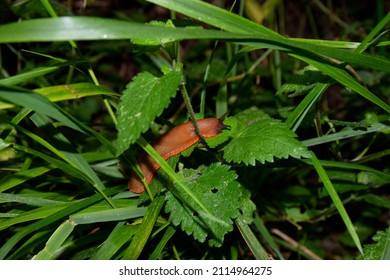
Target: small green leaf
[[262, 141], [151, 44], [143, 99], [217, 188], [303, 81], [380, 250]]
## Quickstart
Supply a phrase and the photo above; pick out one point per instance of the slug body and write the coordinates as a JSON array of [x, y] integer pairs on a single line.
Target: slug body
[[172, 143]]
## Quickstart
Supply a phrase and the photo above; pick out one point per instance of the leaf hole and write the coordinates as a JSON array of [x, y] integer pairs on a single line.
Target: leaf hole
[[195, 214], [214, 190]]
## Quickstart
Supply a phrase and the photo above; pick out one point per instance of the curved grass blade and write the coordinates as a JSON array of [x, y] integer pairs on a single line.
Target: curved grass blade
[[336, 200]]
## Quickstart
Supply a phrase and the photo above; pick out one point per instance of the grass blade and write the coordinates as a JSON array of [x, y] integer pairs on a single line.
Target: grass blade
[[55, 241], [145, 229], [336, 200]]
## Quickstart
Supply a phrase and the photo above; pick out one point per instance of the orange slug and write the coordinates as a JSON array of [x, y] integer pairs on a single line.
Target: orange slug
[[172, 143]]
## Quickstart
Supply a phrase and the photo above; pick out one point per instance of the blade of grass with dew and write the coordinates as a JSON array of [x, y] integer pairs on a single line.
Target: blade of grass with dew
[[28, 199], [336, 200], [55, 241]]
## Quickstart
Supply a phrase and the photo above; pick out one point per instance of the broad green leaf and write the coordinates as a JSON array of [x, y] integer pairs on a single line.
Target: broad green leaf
[[144, 99], [380, 250], [263, 141], [216, 187]]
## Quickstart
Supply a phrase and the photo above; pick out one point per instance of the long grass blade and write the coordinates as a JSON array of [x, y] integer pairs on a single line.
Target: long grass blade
[[336, 200]]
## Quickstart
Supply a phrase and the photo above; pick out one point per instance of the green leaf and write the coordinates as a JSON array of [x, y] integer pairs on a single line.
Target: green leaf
[[150, 44], [223, 196], [144, 99], [380, 250], [262, 141], [303, 81]]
